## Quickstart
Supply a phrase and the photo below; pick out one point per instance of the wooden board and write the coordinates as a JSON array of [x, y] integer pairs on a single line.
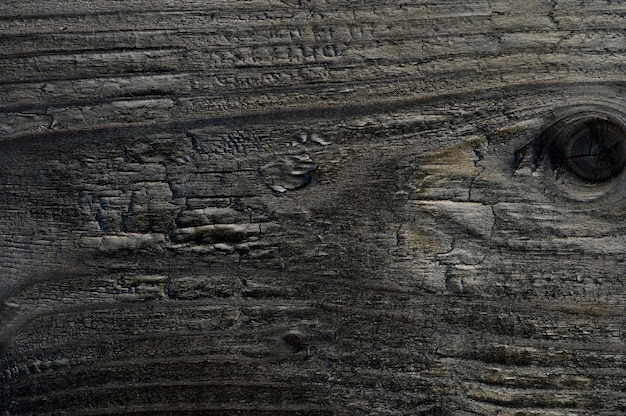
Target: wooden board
[[307, 207]]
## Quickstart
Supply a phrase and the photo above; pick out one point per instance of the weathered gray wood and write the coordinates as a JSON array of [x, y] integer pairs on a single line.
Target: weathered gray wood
[[306, 207]]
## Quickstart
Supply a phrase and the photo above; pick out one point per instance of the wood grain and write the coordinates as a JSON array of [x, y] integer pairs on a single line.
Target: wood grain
[[306, 207]]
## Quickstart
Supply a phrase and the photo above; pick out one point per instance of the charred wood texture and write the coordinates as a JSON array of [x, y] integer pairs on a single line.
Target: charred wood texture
[[312, 207]]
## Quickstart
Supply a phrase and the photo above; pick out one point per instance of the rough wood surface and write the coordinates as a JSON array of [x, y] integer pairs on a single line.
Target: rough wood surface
[[306, 207]]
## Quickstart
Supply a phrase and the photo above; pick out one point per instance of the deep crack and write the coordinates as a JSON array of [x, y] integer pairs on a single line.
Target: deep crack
[[552, 13]]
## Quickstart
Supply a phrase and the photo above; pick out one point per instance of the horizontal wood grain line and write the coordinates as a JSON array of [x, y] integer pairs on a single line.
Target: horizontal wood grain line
[[601, 41], [505, 398], [95, 51], [340, 29], [330, 111], [176, 89], [407, 51], [261, 7], [37, 83], [261, 33], [478, 407], [91, 12], [173, 409], [72, 397], [435, 10], [533, 348], [428, 73], [428, 70], [164, 408]]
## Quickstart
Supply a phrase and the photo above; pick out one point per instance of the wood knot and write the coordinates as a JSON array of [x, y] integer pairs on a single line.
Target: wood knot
[[592, 151], [294, 341], [583, 155]]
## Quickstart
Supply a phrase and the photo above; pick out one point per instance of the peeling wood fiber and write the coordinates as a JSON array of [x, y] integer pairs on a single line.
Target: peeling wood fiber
[[306, 207]]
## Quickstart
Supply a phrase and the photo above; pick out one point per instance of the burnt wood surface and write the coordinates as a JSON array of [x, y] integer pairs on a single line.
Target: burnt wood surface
[[307, 207]]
